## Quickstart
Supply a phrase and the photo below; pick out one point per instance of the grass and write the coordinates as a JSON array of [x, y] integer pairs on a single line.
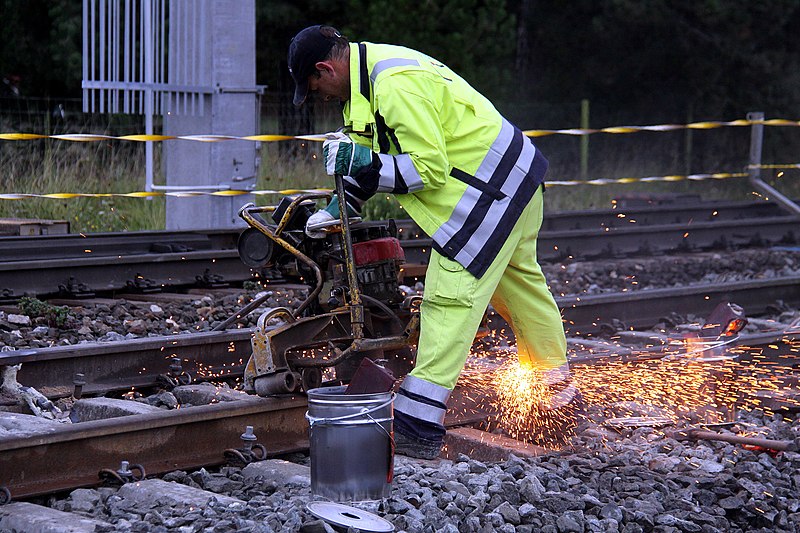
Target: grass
[[53, 166]]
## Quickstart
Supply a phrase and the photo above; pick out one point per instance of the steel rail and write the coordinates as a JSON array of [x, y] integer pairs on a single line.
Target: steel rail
[[133, 273], [689, 212], [134, 363], [636, 240], [47, 265], [49, 247], [645, 308], [72, 456], [73, 245]]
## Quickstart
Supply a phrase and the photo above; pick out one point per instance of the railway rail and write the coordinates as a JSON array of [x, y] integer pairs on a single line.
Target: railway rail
[[82, 265], [118, 366]]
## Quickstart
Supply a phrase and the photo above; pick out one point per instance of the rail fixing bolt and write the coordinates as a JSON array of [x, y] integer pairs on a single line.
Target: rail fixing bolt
[[78, 381], [175, 368], [248, 438]]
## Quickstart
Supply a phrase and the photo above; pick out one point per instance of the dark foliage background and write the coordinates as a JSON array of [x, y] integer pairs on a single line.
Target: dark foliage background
[[635, 61], [648, 55]]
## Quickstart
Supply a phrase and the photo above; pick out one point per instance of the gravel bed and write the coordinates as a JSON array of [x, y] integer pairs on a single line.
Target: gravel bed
[[637, 481], [615, 275], [633, 480]]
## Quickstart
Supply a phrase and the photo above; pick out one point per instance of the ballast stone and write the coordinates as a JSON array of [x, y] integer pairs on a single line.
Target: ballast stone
[[19, 320], [88, 409], [151, 493], [206, 393], [279, 471], [32, 518], [21, 425]]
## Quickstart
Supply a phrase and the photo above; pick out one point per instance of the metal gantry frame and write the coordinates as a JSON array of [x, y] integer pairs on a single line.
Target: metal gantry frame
[[193, 63], [147, 57], [754, 168]]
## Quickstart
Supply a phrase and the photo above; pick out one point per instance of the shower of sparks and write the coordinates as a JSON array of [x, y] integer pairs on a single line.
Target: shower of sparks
[[688, 381]]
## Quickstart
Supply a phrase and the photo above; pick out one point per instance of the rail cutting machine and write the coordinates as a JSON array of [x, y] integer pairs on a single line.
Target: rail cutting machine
[[354, 308]]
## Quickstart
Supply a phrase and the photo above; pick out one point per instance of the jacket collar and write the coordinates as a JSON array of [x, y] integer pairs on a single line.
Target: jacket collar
[[358, 109]]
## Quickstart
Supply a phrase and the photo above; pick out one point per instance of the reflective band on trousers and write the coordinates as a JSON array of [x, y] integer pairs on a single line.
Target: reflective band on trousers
[[421, 410], [554, 375]]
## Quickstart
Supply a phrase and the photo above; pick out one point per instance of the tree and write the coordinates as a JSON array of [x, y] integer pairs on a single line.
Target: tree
[[476, 38], [42, 45]]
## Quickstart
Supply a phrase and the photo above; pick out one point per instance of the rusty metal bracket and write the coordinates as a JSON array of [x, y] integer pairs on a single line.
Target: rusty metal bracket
[[210, 280], [176, 376], [78, 382], [142, 285], [753, 442], [250, 452], [7, 296], [75, 289], [127, 473]]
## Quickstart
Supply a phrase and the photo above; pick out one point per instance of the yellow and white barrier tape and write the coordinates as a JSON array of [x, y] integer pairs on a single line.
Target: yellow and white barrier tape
[[90, 137], [286, 192], [649, 179], [155, 194]]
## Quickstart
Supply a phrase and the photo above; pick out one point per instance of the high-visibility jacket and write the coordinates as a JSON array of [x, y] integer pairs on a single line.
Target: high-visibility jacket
[[458, 168]]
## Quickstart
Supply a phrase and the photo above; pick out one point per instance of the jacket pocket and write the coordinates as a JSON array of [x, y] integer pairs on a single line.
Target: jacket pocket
[[482, 186]]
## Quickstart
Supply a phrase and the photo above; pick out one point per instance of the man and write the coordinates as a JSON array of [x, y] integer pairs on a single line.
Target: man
[[470, 179]]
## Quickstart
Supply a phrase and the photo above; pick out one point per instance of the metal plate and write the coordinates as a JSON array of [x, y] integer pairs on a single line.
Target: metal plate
[[347, 516], [638, 422]]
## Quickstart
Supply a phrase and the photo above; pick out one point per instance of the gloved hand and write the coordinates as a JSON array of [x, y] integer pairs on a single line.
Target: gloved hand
[[324, 218], [316, 222], [343, 156]]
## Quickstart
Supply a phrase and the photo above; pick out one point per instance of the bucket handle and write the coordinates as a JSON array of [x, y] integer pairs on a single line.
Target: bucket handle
[[365, 411]]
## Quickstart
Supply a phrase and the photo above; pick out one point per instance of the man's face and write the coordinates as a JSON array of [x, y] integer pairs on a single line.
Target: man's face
[[330, 81]]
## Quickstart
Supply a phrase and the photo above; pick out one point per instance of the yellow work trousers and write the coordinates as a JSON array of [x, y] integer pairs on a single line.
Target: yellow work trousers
[[455, 301]]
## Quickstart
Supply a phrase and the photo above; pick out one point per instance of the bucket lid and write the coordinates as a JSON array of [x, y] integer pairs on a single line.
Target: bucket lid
[[347, 516]]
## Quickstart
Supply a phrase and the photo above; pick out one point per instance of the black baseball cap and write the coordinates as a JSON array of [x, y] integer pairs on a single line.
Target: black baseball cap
[[307, 48]]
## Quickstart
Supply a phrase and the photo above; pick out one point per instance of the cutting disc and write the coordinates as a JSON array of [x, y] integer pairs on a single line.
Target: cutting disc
[[347, 516]]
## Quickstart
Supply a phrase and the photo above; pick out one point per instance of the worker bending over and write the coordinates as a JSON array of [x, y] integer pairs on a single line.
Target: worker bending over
[[470, 179]]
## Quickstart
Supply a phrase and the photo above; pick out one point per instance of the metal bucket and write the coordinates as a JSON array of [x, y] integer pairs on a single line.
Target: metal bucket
[[350, 435]]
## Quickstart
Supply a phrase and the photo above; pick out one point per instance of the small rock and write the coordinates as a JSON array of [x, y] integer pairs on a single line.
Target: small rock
[[19, 320]]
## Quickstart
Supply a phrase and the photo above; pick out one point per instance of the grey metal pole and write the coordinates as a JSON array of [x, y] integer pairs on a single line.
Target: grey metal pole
[[754, 168], [584, 139], [148, 92]]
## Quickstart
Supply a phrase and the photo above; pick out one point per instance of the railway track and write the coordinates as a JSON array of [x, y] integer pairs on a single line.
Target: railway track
[[198, 436], [142, 364], [66, 457], [138, 363], [83, 265]]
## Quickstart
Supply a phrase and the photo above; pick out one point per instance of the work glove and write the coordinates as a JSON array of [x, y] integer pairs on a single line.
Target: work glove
[[343, 156], [325, 218], [317, 222]]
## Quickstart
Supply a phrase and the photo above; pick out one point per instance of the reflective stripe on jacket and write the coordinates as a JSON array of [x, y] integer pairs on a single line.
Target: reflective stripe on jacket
[[458, 168]]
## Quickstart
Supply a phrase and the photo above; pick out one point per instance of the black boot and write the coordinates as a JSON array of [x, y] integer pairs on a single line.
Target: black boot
[[417, 448]]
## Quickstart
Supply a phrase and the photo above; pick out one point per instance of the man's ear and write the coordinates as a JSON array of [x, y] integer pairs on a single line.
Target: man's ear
[[324, 66]]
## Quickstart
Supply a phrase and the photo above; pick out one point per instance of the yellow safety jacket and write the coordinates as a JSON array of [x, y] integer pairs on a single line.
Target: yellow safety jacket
[[460, 170]]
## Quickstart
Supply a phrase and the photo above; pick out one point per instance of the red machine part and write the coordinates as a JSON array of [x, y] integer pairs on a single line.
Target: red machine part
[[378, 250]]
